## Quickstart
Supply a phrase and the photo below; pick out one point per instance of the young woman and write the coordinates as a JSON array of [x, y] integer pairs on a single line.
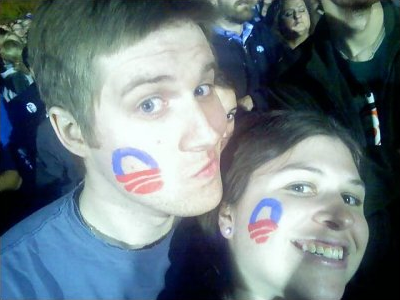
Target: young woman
[[292, 212], [291, 223]]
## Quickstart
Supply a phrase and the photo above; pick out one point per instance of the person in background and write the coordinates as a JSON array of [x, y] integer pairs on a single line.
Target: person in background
[[138, 69], [10, 182], [290, 22], [349, 69], [293, 22], [3, 34], [25, 111], [9, 177], [262, 8], [19, 30], [16, 75], [240, 48]]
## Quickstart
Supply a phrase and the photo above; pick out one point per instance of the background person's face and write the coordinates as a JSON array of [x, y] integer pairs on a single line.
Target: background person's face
[[266, 5], [299, 230], [295, 16], [238, 11], [160, 124], [18, 29]]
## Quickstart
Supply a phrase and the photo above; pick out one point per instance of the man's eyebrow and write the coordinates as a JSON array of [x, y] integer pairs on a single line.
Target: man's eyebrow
[[144, 80], [300, 166], [152, 80], [211, 66]]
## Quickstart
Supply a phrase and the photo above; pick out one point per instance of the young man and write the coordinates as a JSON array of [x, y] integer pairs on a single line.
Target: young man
[[242, 48], [350, 69], [129, 88]]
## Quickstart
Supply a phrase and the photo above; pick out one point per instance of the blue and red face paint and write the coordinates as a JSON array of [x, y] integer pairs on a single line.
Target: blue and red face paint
[[141, 182], [260, 229]]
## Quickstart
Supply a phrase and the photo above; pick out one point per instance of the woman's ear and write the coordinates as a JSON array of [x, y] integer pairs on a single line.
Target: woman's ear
[[68, 131], [226, 220]]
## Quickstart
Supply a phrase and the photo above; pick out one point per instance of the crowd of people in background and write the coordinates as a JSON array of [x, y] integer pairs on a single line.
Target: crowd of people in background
[[338, 59], [34, 165]]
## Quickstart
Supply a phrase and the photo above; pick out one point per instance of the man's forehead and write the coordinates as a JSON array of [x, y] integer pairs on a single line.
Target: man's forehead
[[174, 41], [172, 52]]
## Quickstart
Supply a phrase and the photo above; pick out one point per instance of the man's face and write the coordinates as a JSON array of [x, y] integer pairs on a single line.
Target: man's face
[[238, 11], [349, 14], [19, 30], [160, 124], [354, 3], [299, 229]]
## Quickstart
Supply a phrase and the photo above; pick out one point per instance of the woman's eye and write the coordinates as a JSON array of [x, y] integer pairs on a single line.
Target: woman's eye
[[203, 90], [301, 188], [151, 106], [231, 115], [288, 14], [351, 200]]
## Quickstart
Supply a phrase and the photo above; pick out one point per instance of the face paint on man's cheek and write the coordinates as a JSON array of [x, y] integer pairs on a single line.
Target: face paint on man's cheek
[[144, 181], [260, 228]]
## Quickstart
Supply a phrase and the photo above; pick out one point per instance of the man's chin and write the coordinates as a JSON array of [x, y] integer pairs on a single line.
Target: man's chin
[[355, 4]]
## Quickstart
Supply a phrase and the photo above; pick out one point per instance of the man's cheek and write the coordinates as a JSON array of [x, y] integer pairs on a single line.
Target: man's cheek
[[136, 170]]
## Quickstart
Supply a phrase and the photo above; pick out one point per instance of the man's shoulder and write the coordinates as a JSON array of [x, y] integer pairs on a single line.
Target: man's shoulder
[[34, 225]]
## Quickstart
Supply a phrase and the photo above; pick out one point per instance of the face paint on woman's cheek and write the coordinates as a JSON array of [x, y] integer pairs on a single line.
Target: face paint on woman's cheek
[[260, 228], [144, 181]]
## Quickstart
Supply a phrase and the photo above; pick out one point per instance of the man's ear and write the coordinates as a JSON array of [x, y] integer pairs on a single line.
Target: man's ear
[[68, 131], [226, 220]]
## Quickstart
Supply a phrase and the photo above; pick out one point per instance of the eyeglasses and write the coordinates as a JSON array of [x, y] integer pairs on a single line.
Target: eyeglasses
[[289, 13]]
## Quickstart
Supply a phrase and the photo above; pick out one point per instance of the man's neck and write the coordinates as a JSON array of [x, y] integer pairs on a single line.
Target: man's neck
[[230, 26], [359, 32], [112, 217]]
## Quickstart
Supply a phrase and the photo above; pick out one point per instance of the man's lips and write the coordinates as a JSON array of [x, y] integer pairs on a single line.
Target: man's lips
[[208, 170]]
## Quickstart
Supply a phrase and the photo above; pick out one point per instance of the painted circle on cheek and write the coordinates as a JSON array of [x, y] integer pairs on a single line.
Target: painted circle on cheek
[[260, 229], [141, 182]]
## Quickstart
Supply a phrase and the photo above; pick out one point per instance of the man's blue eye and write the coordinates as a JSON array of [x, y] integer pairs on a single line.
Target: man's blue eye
[[202, 90], [152, 105], [147, 106]]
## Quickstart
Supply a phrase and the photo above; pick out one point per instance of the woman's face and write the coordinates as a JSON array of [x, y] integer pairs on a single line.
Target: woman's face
[[295, 17], [299, 230], [228, 100]]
